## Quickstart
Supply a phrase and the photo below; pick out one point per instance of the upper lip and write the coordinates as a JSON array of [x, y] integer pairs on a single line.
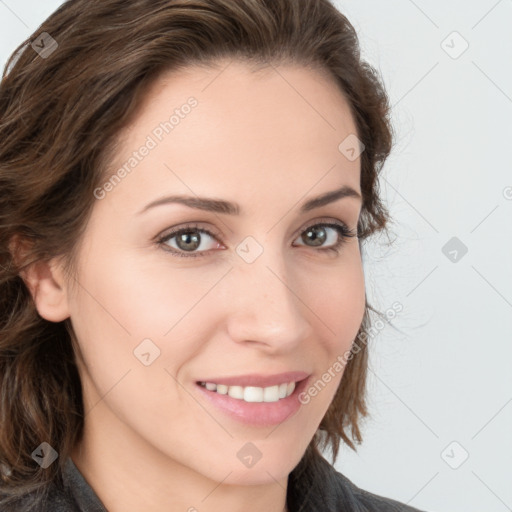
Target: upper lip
[[258, 380]]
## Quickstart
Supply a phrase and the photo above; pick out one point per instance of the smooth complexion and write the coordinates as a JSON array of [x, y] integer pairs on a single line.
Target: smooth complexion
[[267, 140]]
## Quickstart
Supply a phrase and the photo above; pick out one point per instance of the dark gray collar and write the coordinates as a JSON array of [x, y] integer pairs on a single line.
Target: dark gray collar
[[82, 492]]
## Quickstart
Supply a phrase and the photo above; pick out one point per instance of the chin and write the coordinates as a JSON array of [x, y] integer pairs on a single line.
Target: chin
[[258, 475]]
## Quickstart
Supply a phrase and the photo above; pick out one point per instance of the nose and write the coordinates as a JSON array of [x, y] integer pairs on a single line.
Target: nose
[[265, 307]]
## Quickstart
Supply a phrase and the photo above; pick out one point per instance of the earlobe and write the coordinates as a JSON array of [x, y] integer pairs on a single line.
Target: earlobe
[[48, 288]]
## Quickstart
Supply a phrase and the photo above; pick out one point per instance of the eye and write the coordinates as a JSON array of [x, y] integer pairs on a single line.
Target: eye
[[334, 233], [191, 240], [188, 239]]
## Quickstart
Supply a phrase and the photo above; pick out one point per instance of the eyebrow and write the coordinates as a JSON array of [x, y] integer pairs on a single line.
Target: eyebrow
[[230, 208]]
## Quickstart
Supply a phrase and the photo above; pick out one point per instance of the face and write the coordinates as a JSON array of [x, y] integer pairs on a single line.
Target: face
[[246, 296]]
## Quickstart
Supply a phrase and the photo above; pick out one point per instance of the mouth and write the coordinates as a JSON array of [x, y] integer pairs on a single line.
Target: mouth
[[253, 394], [254, 387], [255, 399]]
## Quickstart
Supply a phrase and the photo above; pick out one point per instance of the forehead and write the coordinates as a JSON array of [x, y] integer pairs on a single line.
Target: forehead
[[236, 90], [231, 125]]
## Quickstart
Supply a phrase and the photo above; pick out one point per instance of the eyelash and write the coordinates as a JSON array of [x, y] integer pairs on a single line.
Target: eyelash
[[343, 231]]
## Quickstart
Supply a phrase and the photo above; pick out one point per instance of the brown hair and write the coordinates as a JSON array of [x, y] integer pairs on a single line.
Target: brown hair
[[60, 116]]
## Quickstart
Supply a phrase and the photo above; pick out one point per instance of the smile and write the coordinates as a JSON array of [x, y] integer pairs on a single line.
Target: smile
[[252, 393]]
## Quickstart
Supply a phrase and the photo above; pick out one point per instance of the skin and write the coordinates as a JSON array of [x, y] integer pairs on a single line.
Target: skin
[[151, 441]]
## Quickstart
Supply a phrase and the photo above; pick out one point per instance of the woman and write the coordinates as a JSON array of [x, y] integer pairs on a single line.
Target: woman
[[185, 188]]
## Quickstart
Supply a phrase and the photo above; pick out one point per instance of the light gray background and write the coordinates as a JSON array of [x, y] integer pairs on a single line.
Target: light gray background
[[446, 377]]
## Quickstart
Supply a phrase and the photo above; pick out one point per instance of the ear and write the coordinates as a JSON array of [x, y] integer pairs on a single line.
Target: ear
[[46, 283]]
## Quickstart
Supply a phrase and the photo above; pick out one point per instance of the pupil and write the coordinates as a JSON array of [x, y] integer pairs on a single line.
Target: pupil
[[186, 239], [315, 238]]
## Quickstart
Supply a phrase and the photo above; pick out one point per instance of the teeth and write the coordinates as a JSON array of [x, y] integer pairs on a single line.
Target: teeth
[[236, 392], [252, 393], [223, 390]]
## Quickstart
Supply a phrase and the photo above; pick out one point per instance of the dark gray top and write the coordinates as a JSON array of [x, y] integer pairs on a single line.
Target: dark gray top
[[327, 491]]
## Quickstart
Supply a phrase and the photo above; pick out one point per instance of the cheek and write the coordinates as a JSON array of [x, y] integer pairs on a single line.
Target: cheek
[[127, 308], [337, 297], [119, 307], [142, 297]]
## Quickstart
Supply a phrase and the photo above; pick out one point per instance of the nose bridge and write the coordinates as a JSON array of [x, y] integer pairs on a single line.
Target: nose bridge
[[264, 306]]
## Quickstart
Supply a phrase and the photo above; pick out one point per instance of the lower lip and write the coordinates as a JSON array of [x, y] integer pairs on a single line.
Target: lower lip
[[257, 413]]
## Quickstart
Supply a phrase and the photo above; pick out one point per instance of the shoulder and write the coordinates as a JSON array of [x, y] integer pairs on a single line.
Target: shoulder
[[368, 501], [58, 496], [316, 486], [54, 499]]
